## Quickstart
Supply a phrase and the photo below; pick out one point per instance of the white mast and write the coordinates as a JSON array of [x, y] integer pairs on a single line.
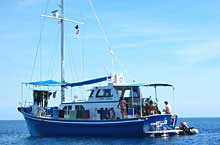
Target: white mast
[[61, 19], [62, 52]]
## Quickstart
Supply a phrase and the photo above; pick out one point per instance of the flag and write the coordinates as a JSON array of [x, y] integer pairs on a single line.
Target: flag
[[77, 29]]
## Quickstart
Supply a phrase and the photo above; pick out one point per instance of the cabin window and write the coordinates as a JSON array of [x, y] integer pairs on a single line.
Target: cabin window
[[67, 108], [79, 107], [127, 93], [104, 93], [120, 92]]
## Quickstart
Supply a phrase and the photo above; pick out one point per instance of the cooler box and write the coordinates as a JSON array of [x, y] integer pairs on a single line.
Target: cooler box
[[131, 111], [79, 114], [61, 113], [86, 114], [49, 111]]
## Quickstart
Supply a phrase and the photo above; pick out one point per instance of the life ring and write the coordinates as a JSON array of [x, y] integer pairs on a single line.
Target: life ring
[[109, 114]]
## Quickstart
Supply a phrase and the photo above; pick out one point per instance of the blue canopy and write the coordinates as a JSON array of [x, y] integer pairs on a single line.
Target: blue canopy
[[88, 82], [55, 83], [47, 83]]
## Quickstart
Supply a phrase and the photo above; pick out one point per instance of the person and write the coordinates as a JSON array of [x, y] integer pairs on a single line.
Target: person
[[45, 102], [167, 109], [152, 108], [102, 114], [122, 105], [111, 113]]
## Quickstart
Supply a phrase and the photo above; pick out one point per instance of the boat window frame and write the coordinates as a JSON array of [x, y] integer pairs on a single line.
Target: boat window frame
[[104, 93], [91, 94], [125, 89]]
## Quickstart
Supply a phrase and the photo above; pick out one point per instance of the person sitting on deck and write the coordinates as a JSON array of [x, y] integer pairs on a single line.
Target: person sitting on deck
[[122, 106], [167, 109]]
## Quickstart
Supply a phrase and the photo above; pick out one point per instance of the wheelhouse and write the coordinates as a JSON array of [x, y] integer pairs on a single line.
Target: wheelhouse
[[100, 100]]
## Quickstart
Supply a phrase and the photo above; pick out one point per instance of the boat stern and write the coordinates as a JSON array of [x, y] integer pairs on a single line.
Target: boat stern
[[160, 124]]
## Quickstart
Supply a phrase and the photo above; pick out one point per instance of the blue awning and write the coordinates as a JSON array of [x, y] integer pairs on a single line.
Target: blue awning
[[47, 83], [56, 83], [88, 82]]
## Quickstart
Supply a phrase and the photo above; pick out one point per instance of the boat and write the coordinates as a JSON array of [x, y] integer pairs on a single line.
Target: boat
[[103, 114], [184, 129]]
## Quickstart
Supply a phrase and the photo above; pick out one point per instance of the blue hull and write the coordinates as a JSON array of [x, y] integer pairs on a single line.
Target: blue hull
[[53, 127], [136, 127]]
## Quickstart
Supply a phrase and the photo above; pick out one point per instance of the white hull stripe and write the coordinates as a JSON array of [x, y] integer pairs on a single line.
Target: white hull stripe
[[78, 122]]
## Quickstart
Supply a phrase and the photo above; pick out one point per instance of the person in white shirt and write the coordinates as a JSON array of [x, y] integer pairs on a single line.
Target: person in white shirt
[[167, 109]]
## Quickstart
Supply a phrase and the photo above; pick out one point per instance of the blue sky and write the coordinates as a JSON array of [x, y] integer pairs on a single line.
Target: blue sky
[[153, 41]]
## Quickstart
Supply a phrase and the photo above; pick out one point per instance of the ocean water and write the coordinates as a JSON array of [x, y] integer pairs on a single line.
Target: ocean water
[[16, 133]]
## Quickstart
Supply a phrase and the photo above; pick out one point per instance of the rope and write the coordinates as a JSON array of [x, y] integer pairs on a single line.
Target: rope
[[39, 42], [101, 27], [109, 49]]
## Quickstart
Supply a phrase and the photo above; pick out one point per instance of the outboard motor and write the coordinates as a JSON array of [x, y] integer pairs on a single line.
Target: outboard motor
[[186, 130]]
